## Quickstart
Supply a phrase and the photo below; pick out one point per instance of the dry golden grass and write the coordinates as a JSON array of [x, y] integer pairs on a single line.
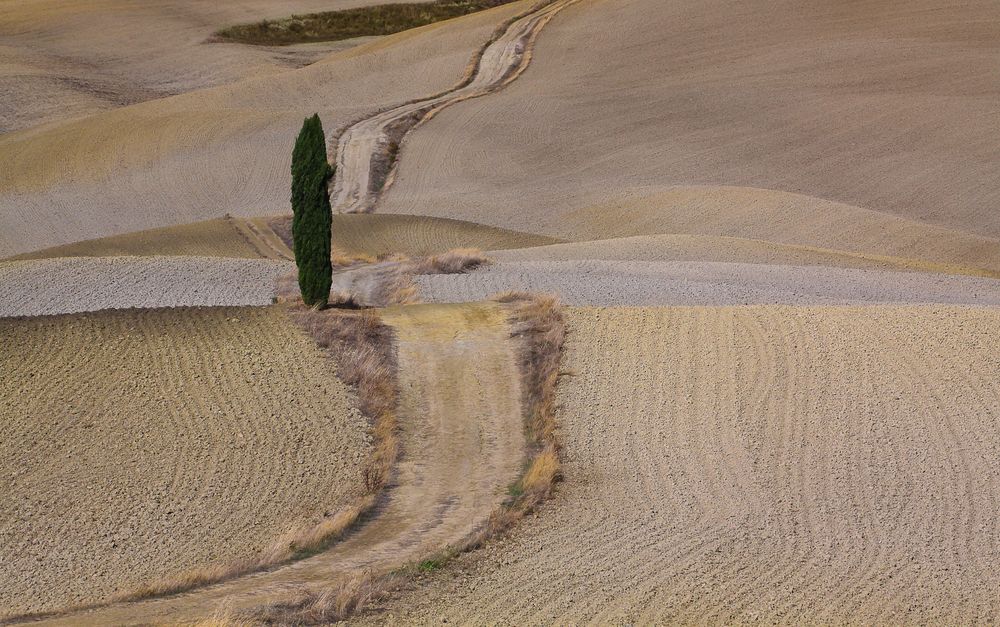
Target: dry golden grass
[[452, 262], [329, 605], [363, 348], [538, 323], [364, 282]]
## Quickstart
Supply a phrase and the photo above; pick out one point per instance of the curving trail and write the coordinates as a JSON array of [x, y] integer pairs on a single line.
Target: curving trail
[[757, 465], [462, 441], [363, 146]]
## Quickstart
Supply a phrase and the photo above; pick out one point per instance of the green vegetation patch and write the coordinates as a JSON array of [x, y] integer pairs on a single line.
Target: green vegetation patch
[[383, 19]]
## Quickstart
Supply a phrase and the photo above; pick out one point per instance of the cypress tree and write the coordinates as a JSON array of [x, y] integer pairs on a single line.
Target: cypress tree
[[312, 215]]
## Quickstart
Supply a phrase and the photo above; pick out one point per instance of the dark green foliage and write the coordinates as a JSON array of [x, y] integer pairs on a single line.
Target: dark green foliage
[[383, 19], [311, 212]]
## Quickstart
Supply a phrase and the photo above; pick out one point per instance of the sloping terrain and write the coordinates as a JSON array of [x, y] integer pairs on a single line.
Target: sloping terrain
[[227, 149], [138, 444], [381, 234], [608, 283], [791, 465], [68, 285], [857, 124], [68, 58], [221, 237], [462, 439]]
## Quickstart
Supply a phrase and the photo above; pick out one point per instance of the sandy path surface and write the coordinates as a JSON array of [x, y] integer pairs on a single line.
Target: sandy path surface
[[757, 465], [136, 445], [462, 441], [887, 105], [609, 283], [354, 190], [227, 149], [69, 285]]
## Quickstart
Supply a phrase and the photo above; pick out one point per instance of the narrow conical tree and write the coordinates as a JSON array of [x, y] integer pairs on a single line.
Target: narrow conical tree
[[311, 211]]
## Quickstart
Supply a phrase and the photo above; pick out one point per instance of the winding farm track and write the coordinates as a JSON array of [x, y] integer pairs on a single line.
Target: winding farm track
[[463, 444], [363, 144], [756, 465]]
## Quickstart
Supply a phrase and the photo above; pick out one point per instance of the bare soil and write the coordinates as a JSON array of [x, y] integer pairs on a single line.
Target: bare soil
[[226, 149], [138, 444], [68, 58], [386, 234], [788, 465], [462, 439], [886, 106], [70, 285], [221, 237], [622, 283]]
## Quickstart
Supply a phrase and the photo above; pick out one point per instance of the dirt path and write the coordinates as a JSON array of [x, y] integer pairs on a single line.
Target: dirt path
[[460, 414], [362, 149], [756, 465]]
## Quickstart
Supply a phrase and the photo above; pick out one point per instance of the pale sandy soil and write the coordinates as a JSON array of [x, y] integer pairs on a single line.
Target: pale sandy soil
[[68, 285], [807, 465], [462, 439], [67, 58], [608, 283], [226, 149], [890, 107], [211, 238], [135, 445], [378, 234], [503, 59]]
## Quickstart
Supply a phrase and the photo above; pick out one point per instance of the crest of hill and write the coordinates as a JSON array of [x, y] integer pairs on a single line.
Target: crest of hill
[[874, 121], [222, 150]]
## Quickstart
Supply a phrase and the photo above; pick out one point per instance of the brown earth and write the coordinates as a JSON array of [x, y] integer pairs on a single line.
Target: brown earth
[[67, 58], [791, 465], [416, 236], [462, 445], [221, 237], [220, 150], [623, 283], [67, 285], [869, 126], [138, 444]]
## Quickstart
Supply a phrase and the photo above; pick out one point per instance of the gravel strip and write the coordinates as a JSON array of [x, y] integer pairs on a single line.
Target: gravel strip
[[56, 286], [613, 283]]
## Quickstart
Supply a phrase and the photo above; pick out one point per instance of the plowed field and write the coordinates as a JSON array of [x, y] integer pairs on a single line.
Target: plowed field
[[135, 445], [758, 465]]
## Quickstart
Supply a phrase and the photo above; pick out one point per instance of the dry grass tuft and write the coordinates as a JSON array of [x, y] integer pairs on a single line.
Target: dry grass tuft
[[385, 281], [362, 348], [366, 360], [454, 261], [328, 605], [538, 322]]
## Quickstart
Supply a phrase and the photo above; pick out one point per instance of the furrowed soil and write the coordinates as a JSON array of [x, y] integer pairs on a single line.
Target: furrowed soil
[[622, 283], [225, 149], [772, 464], [68, 58], [869, 126], [462, 440], [68, 285], [138, 444], [387, 234]]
